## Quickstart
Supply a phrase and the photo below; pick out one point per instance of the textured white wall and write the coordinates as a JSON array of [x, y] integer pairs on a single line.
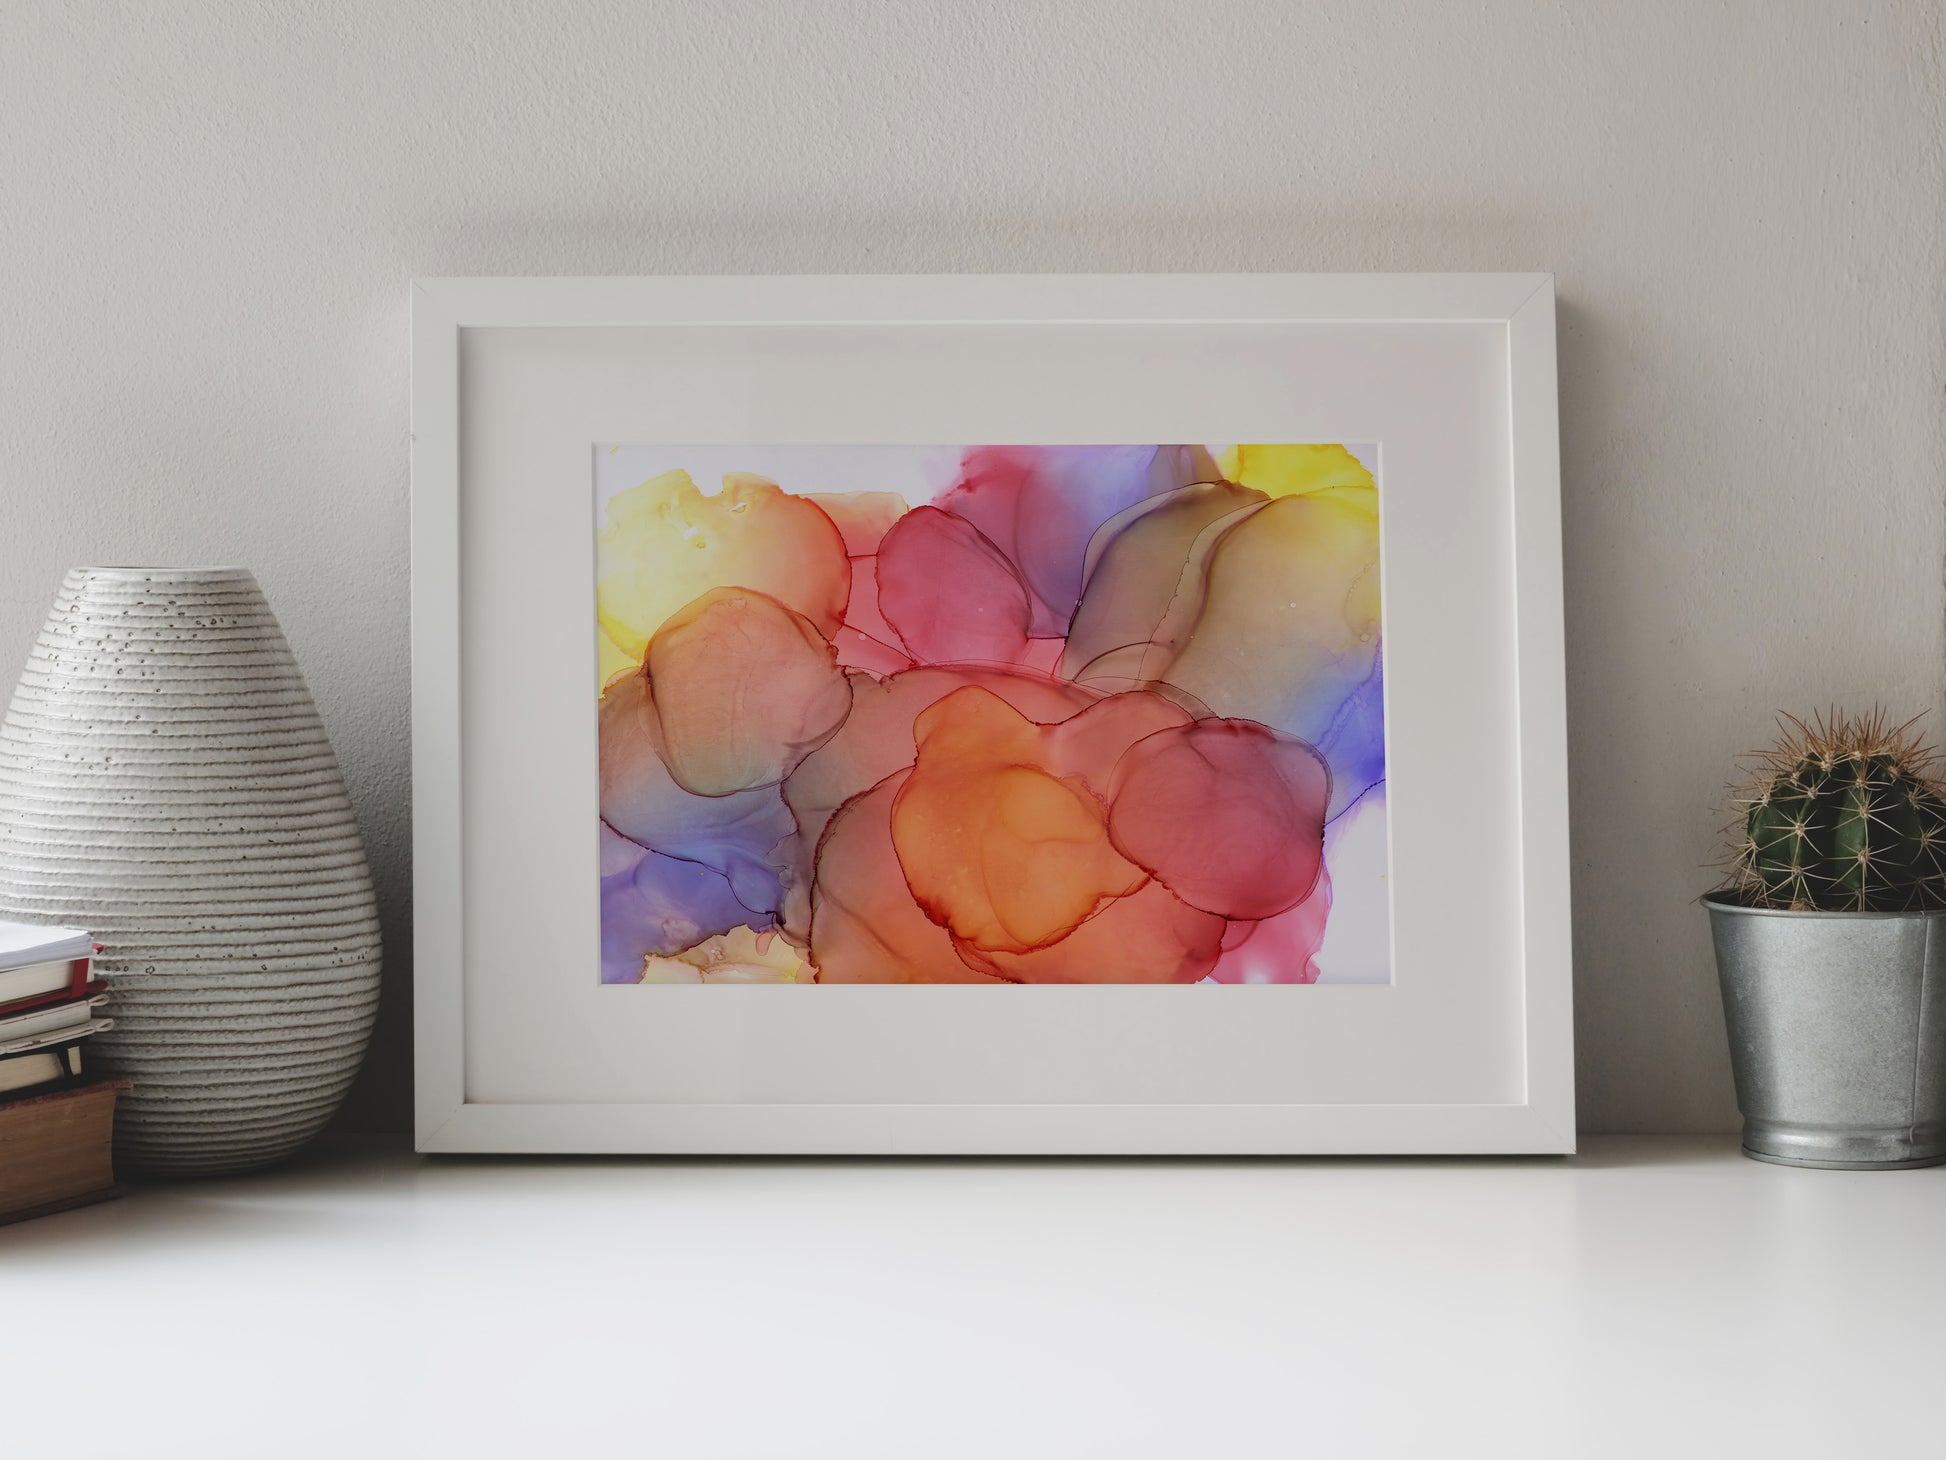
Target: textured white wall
[[209, 212]]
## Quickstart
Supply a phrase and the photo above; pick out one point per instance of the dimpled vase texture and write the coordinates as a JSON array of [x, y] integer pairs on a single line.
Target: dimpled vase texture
[[166, 783]]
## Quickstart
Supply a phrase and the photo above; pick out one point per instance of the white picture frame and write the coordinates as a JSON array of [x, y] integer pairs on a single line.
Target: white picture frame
[[1507, 322]]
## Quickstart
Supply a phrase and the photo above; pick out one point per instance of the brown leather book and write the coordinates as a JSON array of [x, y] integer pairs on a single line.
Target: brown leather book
[[57, 1148]]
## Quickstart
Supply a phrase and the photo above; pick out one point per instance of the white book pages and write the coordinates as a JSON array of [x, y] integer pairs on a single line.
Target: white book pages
[[44, 1021], [40, 943], [55, 1036]]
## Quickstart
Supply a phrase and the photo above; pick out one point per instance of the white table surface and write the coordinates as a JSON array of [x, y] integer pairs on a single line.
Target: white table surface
[[1651, 1297]]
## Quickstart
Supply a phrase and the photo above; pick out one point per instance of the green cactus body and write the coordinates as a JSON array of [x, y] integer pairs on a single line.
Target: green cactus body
[[1849, 830]]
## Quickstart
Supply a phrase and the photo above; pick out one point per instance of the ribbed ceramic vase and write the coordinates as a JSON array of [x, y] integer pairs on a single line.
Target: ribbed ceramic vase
[[166, 784]]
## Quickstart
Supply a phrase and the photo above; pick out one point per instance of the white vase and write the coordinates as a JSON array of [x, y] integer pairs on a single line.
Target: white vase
[[165, 783]]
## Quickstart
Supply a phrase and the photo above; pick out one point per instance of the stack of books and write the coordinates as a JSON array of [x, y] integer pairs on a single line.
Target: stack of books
[[56, 1121]]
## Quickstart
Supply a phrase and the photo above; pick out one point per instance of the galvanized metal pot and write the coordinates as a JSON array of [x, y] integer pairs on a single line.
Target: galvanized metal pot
[[1837, 1027]]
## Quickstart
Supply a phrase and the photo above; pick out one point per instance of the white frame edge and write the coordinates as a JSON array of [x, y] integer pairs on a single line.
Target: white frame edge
[[444, 1121], [438, 876]]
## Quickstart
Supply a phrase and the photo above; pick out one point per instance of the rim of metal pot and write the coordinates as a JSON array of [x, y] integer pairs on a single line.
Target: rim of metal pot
[[1717, 902]]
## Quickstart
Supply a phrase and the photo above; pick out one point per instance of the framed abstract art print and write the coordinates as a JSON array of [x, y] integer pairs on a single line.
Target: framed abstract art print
[[1055, 714]]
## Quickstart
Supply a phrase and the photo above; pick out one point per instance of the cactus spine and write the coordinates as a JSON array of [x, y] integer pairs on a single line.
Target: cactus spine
[[1844, 816]]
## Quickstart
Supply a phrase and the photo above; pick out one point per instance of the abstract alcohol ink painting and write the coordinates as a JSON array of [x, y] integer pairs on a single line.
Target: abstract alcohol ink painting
[[991, 714]]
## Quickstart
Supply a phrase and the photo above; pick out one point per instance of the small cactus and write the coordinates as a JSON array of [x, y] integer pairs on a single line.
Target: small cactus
[[1845, 815]]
